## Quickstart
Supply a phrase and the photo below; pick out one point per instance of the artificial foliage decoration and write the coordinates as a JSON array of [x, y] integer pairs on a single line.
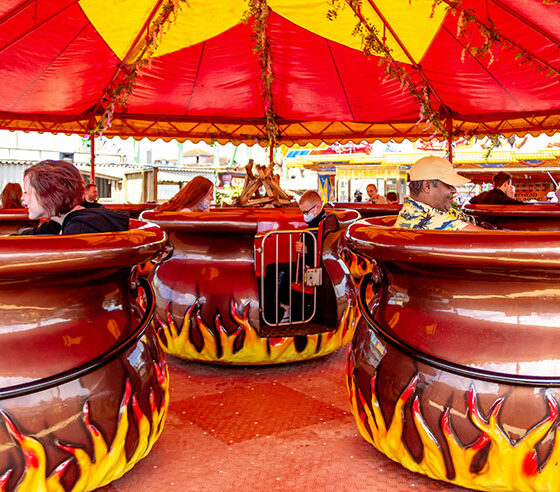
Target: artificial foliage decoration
[[491, 39], [487, 43], [375, 43], [258, 10], [137, 58]]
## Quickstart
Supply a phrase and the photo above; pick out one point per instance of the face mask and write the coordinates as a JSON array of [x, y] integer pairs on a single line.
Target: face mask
[[204, 204], [309, 217]]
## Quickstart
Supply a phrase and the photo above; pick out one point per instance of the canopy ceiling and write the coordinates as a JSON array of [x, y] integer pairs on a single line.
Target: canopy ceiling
[[58, 59]]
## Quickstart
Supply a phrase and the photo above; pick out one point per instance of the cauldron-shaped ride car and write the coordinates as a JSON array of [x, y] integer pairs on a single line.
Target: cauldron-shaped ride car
[[526, 217], [367, 210], [454, 370], [235, 291], [84, 390]]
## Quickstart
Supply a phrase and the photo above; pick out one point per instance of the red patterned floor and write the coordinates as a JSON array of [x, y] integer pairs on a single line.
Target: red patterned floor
[[276, 428]]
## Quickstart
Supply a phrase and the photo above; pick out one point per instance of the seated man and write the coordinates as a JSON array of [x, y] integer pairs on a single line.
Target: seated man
[[90, 193], [373, 196], [500, 194], [432, 186], [54, 190]]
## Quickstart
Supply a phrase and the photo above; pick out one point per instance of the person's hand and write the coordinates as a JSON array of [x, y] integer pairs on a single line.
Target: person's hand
[[511, 191], [300, 247]]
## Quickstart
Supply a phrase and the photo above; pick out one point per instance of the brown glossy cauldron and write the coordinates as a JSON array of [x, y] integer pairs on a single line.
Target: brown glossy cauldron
[[367, 210], [83, 381], [132, 209], [527, 217], [12, 219], [209, 305], [454, 370]]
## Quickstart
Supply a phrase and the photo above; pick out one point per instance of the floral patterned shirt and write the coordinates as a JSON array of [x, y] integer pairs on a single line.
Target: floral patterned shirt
[[417, 215]]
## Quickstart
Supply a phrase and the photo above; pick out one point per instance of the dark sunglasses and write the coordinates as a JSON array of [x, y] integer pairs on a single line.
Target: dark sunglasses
[[305, 212]]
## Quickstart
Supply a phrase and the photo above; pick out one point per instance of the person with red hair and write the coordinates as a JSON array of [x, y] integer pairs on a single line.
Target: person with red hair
[[11, 196], [196, 196], [54, 190]]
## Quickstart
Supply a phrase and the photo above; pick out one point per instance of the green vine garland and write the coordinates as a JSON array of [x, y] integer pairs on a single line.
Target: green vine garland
[[259, 11], [139, 58], [375, 44], [467, 24]]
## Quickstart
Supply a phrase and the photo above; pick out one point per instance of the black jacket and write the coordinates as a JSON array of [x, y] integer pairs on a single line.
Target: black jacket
[[494, 197], [94, 218]]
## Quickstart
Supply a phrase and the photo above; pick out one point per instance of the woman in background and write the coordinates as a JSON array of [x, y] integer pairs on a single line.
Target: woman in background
[[195, 196], [11, 196]]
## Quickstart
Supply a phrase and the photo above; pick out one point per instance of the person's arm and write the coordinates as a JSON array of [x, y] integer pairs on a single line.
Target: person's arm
[[511, 201], [49, 228], [472, 227]]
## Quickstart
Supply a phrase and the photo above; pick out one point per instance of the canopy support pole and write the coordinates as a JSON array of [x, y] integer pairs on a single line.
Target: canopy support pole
[[271, 155], [92, 157], [232, 162]]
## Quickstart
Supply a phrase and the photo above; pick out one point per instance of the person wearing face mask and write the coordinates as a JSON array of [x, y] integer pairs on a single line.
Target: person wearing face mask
[[195, 196], [311, 206]]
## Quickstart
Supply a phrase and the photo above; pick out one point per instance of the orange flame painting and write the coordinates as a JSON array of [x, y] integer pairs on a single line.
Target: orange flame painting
[[508, 466], [108, 462], [255, 349], [358, 265]]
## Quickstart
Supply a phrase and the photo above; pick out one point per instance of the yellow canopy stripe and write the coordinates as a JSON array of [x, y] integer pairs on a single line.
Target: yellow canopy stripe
[[119, 22]]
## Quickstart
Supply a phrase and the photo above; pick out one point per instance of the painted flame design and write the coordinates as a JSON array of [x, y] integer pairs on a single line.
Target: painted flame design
[[358, 265], [255, 349], [108, 462], [508, 466]]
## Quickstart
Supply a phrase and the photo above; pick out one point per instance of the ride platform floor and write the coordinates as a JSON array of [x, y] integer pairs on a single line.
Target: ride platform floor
[[272, 428]]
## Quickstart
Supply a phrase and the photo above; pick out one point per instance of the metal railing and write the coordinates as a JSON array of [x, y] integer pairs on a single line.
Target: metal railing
[[297, 287]]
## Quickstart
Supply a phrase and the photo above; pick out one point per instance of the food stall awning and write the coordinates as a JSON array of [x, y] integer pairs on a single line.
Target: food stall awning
[[365, 171]]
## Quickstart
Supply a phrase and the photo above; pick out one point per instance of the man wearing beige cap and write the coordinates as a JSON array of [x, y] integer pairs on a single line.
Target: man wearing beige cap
[[432, 186]]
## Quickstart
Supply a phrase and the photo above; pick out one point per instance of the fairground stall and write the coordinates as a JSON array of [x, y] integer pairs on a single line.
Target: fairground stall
[[339, 176]]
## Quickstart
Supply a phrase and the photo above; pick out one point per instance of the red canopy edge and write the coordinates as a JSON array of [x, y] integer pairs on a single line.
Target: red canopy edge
[[251, 131]]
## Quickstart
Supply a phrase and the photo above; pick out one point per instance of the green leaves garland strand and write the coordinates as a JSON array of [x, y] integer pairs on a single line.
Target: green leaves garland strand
[[467, 24], [492, 40], [375, 44], [259, 11], [142, 55]]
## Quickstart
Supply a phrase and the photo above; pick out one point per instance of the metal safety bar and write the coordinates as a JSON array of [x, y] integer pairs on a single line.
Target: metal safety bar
[[271, 240]]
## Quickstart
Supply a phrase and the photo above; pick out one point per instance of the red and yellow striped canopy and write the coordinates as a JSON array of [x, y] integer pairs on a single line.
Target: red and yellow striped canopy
[[58, 59]]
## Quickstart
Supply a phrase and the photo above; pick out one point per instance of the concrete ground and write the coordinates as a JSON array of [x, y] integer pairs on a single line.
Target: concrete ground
[[273, 428]]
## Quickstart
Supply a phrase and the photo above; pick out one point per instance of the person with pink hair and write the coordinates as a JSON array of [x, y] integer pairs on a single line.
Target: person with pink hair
[[54, 190]]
